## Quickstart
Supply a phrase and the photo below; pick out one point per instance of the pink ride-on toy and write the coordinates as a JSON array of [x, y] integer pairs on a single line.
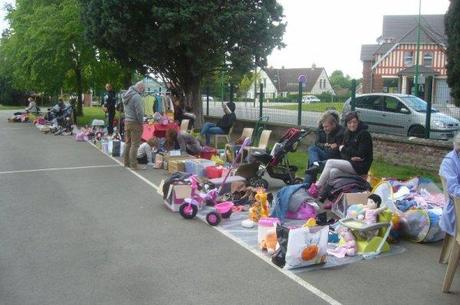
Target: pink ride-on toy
[[189, 208]]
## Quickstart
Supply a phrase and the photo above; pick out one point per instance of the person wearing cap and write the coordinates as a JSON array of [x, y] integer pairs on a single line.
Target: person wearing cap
[[134, 119], [223, 125], [450, 170]]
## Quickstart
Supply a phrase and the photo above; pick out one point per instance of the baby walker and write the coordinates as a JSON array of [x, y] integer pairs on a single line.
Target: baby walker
[[189, 208]]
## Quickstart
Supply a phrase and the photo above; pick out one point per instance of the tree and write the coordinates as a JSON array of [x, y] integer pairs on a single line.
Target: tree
[[186, 41], [338, 80], [46, 49], [452, 23]]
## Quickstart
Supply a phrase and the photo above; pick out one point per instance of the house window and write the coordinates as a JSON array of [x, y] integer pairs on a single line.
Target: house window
[[428, 59], [408, 58], [265, 83]]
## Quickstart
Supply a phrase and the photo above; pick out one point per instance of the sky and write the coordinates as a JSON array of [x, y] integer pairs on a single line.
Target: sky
[[329, 33]]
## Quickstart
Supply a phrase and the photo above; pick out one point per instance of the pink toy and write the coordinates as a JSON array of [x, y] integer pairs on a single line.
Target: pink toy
[[349, 246], [305, 211]]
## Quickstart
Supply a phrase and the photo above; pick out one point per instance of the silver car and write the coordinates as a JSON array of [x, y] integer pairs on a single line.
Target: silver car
[[402, 115]]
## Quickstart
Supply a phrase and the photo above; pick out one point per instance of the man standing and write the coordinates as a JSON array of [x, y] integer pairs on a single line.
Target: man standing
[[134, 119], [110, 102]]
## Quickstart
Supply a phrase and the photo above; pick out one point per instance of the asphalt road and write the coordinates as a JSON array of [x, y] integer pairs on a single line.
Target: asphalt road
[[77, 228]]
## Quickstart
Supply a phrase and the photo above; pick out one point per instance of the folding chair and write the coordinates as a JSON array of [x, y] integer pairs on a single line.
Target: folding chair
[[223, 136], [448, 239], [263, 143]]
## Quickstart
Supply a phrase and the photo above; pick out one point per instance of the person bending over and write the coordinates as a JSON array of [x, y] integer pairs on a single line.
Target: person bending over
[[223, 125], [356, 152]]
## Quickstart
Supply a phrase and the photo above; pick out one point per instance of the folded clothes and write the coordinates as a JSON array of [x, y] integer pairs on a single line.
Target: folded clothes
[[405, 204]]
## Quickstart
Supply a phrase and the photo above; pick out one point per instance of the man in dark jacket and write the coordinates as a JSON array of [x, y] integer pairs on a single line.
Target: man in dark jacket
[[329, 137], [223, 125], [110, 102]]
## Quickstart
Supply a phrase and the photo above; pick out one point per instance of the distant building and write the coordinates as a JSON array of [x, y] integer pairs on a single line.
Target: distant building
[[390, 65], [153, 86], [281, 82]]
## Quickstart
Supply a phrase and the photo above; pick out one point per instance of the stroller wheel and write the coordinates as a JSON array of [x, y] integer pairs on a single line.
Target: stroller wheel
[[213, 218], [258, 182]]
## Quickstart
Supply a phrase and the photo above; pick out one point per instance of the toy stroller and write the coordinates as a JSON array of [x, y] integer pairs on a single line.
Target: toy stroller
[[189, 208]]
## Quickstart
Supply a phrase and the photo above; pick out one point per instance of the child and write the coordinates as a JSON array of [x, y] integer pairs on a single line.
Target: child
[[146, 150]]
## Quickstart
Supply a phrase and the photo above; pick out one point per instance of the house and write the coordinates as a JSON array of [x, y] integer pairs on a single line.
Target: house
[[282, 82], [390, 65], [153, 86]]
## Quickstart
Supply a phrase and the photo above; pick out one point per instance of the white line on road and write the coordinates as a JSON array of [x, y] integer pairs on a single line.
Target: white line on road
[[289, 274], [56, 169]]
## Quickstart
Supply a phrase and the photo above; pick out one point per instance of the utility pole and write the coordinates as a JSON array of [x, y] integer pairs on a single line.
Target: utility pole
[[417, 55]]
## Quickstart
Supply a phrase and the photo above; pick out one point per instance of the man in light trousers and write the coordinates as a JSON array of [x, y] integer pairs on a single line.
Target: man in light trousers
[[134, 119]]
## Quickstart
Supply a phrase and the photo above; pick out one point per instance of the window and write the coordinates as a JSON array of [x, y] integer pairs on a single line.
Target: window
[[370, 102], [394, 105], [427, 59], [408, 58], [390, 85]]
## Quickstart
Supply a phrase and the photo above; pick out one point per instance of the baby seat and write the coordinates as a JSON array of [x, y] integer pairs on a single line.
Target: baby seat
[[369, 245]]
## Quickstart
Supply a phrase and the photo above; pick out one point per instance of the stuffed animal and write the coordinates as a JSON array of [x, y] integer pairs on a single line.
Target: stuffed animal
[[269, 243], [260, 207]]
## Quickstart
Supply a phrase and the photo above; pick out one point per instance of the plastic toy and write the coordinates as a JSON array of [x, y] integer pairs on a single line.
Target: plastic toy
[[189, 208], [269, 243], [260, 208], [347, 244], [222, 210]]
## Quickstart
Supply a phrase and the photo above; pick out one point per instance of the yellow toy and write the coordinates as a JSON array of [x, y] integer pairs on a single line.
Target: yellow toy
[[260, 208], [311, 222]]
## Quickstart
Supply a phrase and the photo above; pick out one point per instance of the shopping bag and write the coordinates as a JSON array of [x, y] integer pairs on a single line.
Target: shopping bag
[[116, 148], [306, 246]]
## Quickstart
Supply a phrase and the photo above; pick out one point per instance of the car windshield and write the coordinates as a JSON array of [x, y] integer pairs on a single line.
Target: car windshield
[[416, 103]]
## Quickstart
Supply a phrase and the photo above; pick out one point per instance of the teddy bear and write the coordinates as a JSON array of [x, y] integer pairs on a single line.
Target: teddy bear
[[269, 243]]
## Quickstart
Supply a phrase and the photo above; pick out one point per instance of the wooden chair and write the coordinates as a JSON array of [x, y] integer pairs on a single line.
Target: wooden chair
[[263, 143], [448, 239], [184, 125], [223, 136], [455, 252]]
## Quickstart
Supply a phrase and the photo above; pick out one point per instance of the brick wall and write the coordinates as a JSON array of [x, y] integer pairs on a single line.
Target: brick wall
[[367, 75], [419, 153], [377, 83]]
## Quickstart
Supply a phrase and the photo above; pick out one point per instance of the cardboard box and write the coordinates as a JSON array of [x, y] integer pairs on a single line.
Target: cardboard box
[[176, 195], [176, 163], [345, 200], [231, 184]]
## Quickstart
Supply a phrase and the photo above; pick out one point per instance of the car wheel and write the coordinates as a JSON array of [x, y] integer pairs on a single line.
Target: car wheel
[[416, 131]]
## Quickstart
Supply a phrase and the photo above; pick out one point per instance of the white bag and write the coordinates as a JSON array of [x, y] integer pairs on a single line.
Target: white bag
[[306, 246]]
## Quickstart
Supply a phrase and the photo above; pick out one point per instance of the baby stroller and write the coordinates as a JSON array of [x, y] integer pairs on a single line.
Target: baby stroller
[[276, 163], [61, 117]]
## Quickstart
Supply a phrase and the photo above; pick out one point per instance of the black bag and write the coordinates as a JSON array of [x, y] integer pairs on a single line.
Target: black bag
[[116, 147], [344, 184], [279, 257]]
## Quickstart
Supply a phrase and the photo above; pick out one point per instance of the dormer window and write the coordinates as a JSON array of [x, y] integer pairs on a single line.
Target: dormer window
[[428, 59], [408, 58]]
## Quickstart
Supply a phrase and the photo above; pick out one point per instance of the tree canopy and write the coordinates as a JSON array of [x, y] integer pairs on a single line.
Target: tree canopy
[[186, 40], [45, 49], [452, 22], [339, 80]]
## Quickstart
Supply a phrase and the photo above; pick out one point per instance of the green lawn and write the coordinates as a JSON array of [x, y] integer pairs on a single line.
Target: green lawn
[[379, 168], [89, 114], [7, 107], [316, 107]]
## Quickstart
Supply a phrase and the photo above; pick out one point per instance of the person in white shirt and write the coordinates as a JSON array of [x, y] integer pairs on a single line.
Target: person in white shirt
[[146, 150]]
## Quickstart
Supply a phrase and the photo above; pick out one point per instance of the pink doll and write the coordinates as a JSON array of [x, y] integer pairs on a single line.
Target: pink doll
[[348, 248], [372, 209]]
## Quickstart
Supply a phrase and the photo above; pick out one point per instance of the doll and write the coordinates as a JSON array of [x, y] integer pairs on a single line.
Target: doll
[[348, 246], [372, 209]]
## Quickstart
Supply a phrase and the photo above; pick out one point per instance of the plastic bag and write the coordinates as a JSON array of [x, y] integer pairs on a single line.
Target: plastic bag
[[306, 246]]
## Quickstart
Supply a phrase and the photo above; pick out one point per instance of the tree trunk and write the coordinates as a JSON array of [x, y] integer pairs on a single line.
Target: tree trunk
[[193, 98], [79, 91], [127, 78]]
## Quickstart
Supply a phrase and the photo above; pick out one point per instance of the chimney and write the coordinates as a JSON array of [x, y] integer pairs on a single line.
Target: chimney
[[313, 66]]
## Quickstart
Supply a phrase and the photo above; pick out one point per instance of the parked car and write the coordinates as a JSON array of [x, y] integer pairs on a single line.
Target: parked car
[[203, 98], [402, 115], [310, 99]]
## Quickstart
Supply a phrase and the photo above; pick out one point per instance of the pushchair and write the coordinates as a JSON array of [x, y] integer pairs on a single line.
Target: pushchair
[[276, 163], [61, 118]]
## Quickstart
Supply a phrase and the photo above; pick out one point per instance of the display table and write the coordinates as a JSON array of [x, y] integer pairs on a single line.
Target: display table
[[157, 130]]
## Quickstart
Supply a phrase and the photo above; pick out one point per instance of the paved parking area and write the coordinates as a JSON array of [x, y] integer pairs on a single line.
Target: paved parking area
[[77, 228]]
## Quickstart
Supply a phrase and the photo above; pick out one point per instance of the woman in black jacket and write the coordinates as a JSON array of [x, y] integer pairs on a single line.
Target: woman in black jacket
[[356, 152], [223, 125]]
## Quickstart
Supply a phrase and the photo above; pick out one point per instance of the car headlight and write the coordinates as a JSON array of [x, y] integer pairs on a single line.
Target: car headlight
[[439, 124]]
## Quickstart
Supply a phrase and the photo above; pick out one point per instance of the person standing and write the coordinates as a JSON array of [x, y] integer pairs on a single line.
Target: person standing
[[450, 171], [110, 102], [134, 119]]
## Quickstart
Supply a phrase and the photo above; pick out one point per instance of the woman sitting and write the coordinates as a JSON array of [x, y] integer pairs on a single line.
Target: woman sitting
[[223, 125], [183, 113], [183, 141], [356, 151]]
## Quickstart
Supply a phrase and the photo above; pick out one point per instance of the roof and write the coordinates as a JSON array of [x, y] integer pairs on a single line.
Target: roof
[[367, 51], [421, 70], [403, 28], [286, 80]]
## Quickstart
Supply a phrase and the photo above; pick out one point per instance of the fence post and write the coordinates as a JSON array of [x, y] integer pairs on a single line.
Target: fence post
[[231, 92], [261, 98], [207, 101], [353, 94], [299, 104], [428, 91]]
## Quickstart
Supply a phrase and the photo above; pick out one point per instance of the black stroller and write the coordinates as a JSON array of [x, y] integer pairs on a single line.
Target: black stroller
[[61, 115], [276, 163]]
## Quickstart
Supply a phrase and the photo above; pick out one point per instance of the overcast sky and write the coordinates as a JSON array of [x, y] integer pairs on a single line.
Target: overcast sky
[[329, 33]]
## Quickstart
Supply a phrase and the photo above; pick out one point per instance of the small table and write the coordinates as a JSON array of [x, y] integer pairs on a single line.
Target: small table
[[157, 130]]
